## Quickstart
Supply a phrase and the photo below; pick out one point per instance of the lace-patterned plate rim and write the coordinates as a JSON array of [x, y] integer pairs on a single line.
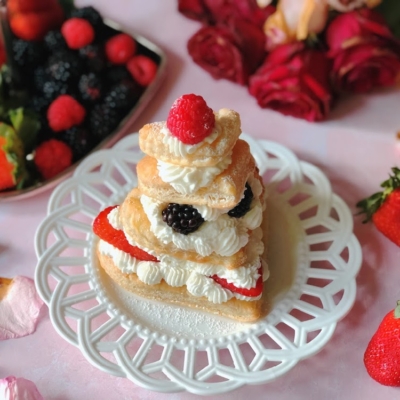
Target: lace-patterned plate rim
[[324, 318]]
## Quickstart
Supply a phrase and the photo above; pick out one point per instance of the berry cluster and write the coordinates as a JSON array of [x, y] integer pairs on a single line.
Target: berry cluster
[[182, 218], [185, 219], [82, 78]]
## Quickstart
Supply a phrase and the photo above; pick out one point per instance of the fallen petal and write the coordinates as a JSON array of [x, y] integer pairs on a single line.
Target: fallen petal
[[19, 307], [12, 388]]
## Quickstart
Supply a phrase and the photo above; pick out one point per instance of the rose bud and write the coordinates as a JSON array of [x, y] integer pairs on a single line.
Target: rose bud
[[294, 20], [294, 80], [230, 52], [365, 54]]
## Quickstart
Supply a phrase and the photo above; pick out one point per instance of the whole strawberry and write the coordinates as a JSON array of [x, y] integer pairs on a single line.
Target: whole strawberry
[[382, 356], [383, 208]]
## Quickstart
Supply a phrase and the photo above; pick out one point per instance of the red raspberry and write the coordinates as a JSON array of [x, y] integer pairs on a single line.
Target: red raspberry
[[190, 119], [120, 48], [143, 69], [77, 32], [104, 230], [52, 157], [64, 113]]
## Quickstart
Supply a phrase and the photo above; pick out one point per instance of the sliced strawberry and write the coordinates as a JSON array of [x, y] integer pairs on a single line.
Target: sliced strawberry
[[104, 230], [252, 292]]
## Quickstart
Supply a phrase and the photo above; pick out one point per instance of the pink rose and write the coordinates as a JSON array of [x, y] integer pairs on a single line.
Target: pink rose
[[219, 11], [294, 80], [294, 20], [365, 54], [232, 51]]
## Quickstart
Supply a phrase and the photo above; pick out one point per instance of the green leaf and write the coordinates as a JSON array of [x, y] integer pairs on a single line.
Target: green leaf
[[14, 152], [27, 125], [390, 9]]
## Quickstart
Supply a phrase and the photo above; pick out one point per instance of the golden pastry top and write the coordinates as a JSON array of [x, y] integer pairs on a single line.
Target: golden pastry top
[[156, 141]]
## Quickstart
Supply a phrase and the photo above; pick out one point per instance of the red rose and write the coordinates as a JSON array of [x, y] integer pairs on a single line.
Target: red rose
[[223, 10], [365, 53], [230, 52], [294, 80], [220, 11], [195, 9]]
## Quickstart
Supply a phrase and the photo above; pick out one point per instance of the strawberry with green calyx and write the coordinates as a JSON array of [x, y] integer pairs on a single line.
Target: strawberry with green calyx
[[382, 356], [12, 162], [383, 208]]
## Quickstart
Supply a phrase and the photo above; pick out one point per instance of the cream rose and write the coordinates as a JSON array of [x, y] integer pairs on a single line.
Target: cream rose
[[348, 5], [295, 20]]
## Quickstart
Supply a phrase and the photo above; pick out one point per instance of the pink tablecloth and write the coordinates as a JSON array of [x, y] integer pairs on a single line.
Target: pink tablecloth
[[356, 149]]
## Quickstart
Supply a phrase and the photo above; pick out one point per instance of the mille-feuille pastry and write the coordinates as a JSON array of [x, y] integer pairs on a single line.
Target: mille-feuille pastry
[[191, 232]]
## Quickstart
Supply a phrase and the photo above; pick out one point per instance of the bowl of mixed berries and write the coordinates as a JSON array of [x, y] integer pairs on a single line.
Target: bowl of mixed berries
[[70, 82]]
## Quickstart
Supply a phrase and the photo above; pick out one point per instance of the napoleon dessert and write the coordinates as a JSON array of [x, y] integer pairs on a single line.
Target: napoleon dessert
[[191, 232]]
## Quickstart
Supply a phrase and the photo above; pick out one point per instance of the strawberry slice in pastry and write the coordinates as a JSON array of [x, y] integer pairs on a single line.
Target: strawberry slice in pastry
[[105, 231], [252, 292]]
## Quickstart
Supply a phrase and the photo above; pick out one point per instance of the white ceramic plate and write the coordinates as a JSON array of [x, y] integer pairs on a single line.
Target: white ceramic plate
[[313, 257]]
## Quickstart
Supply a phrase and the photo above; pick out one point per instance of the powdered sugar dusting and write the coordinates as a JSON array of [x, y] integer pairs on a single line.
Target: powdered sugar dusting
[[167, 319]]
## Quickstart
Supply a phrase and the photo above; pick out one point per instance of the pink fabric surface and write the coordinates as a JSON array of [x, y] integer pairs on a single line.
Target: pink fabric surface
[[355, 148]]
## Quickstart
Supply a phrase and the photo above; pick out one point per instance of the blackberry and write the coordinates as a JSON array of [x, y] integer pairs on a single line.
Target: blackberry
[[40, 77], [117, 74], [54, 41], [64, 66], [38, 104], [102, 121], [94, 57], [45, 133], [90, 88], [182, 218], [244, 205], [52, 89], [27, 53], [79, 139], [88, 13], [122, 96]]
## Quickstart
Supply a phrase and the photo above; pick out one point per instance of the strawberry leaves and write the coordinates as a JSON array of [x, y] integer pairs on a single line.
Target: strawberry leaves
[[370, 205]]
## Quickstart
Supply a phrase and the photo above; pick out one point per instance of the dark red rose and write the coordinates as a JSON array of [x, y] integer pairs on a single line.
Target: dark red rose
[[224, 10], [365, 54], [232, 51], [195, 9], [294, 80], [219, 11]]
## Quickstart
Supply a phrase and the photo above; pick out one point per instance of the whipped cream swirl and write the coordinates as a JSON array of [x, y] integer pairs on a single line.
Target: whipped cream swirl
[[180, 149], [188, 180], [177, 273]]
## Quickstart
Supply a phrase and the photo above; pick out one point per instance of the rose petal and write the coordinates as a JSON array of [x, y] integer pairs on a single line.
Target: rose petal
[[12, 388], [19, 309]]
